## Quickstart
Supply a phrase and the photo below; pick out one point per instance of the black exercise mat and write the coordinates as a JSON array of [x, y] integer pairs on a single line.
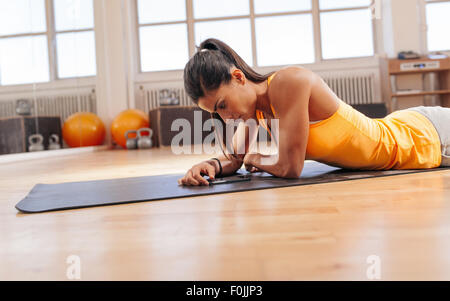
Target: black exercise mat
[[49, 197]]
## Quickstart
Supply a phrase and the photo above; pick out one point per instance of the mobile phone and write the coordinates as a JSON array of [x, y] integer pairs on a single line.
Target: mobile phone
[[232, 179]]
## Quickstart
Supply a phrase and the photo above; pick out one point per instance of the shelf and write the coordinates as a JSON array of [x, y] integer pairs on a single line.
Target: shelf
[[391, 70], [394, 65], [423, 93], [417, 71]]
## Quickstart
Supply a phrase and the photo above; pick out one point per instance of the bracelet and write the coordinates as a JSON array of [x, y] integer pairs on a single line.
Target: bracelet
[[220, 166]]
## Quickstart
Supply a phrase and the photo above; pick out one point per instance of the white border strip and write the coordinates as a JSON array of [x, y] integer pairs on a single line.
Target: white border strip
[[9, 158]]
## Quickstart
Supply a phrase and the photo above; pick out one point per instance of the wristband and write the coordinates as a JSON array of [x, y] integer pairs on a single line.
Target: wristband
[[220, 166]]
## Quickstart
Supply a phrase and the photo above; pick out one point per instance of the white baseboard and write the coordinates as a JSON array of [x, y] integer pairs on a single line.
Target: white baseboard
[[50, 153]]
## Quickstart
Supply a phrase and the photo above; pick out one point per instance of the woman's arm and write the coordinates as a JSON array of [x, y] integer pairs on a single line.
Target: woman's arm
[[242, 141], [290, 93], [243, 138]]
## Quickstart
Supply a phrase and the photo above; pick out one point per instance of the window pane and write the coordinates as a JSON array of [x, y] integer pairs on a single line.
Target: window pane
[[153, 11], [438, 22], [220, 8], [163, 47], [22, 16], [73, 14], [23, 60], [278, 44], [236, 33], [346, 34], [76, 54], [330, 4], [270, 6]]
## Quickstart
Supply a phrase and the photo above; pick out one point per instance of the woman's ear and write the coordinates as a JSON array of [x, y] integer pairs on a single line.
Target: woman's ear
[[238, 75]]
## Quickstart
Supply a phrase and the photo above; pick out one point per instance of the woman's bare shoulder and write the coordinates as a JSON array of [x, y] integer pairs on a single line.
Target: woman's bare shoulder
[[322, 103], [289, 77], [293, 75]]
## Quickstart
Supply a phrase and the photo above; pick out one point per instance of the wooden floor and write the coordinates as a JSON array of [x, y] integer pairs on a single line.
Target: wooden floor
[[313, 232]]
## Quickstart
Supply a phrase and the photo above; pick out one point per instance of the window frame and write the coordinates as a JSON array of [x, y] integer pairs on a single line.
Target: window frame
[[424, 25], [51, 33], [190, 21]]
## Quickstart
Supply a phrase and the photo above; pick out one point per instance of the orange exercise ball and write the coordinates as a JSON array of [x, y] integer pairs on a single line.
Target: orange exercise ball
[[131, 119], [83, 129]]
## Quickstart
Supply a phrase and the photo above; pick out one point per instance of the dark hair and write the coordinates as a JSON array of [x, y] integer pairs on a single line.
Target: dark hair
[[207, 70]]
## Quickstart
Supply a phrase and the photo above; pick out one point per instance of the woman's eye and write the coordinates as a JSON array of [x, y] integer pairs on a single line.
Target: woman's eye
[[222, 105]]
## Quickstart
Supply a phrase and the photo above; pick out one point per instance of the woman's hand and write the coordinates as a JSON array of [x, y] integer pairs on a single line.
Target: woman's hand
[[255, 162], [249, 160], [194, 176], [253, 169]]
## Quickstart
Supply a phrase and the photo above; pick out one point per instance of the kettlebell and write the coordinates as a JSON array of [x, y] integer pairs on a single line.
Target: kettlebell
[[35, 143], [23, 107], [144, 141], [131, 142], [53, 142]]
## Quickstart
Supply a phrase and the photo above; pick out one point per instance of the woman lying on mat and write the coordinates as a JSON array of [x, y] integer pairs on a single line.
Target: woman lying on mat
[[313, 123]]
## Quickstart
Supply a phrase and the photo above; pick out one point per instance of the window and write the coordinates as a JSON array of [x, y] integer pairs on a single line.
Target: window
[[162, 34], [346, 28], [263, 32], [235, 32], [23, 42], [43, 40], [284, 39], [75, 42], [227, 21], [438, 23]]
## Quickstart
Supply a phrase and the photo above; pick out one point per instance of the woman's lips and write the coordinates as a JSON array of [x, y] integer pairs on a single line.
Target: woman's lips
[[238, 117]]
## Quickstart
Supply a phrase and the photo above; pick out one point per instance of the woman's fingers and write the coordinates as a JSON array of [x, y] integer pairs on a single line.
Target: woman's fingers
[[194, 176], [252, 169], [191, 179], [182, 181], [187, 179], [249, 167], [199, 178], [209, 170]]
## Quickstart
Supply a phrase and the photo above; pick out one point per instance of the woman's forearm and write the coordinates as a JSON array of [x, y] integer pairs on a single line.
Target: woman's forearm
[[267, 163], [229, 167], [271, 164]]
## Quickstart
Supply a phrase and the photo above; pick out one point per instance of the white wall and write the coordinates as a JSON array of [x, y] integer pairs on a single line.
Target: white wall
[[112, 71], [405, 25]]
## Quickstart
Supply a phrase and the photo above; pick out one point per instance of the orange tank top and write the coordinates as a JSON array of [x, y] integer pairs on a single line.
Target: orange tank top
[[349, 139]]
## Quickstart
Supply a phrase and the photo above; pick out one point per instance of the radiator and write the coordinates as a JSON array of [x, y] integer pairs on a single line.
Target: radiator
[[352, 88], [54, 105], [154, 98]]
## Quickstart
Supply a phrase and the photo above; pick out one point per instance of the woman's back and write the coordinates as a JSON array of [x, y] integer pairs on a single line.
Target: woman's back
[[348, 138]]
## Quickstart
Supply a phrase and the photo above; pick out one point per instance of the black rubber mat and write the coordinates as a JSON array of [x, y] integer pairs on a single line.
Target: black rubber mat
[[49, 197]]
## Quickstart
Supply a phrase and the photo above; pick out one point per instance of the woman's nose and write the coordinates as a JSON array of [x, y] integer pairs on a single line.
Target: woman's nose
[[229, 119]]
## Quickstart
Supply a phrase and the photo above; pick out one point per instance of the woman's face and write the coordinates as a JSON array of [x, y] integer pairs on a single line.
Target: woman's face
[[235, 100]]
